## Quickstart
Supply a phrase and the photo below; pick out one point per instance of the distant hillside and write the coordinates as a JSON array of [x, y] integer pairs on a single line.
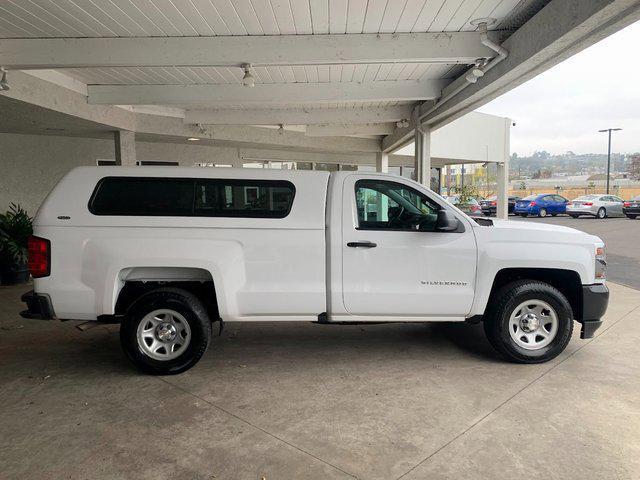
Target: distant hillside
[[569, 162]]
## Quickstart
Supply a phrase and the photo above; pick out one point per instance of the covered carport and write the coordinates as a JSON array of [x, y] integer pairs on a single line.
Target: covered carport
[[341, 82], [353, 80]]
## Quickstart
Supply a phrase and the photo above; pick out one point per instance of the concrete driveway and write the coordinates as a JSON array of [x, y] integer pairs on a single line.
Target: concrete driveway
[[305, 401]]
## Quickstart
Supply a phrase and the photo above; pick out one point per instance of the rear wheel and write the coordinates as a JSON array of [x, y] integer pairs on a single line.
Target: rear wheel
[[529, 322], [602, 213], [632, 217], [573, 216], [166, 331], [524, 215], [543, 212]]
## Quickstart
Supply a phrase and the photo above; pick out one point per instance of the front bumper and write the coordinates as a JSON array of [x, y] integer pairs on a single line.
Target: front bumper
[[38, 306], [595, 299]]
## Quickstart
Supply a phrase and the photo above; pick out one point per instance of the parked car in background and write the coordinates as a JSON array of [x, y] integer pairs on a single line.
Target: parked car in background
[[490, 205], [632, 208], [541, 204], [596, 205], [472, 207]]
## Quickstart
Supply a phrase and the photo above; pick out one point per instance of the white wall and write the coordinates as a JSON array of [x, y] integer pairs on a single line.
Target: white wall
[[474, 137], [30, 165]]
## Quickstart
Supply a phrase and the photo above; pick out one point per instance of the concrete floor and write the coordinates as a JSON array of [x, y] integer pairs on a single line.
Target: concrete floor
[[620, 235], [304, 401]]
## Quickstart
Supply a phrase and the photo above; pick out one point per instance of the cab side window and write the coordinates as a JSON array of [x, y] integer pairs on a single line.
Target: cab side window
[[384, 205]]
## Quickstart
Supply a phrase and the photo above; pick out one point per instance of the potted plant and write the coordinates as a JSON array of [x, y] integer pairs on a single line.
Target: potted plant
[[15, 227]]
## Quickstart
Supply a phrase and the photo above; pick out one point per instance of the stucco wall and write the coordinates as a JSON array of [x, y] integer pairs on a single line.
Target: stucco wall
[[30, 165]]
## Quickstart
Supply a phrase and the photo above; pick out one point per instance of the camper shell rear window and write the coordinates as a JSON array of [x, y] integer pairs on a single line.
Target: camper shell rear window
[[192, 197]]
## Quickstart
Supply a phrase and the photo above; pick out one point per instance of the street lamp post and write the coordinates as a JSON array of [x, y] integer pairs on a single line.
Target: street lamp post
[[609, 130]]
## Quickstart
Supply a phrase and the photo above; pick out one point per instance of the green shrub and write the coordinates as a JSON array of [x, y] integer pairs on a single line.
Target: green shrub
[[15, 227]]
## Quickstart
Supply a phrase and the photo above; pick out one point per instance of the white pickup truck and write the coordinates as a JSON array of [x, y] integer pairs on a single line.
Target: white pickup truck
[[166, 251]]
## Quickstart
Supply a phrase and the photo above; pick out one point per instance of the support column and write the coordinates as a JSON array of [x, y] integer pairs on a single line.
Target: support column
[[382, 162], [502, 176], [125, 145], [422, 156]]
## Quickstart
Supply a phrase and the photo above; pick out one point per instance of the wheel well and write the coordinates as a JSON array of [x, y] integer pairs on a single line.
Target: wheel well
[[567, 281], [134, 289]]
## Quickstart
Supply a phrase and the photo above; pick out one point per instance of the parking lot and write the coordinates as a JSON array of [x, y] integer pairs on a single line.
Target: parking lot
[[291, 401], [620, 235]]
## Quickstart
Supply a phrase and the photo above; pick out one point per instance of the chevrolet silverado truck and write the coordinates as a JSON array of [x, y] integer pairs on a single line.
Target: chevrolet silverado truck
[[166, 252]]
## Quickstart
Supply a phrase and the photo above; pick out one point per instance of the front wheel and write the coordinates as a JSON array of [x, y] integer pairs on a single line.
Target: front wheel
[[573, 216], [632, 217], [602, 213], [543, 212], [166, 331], [530, 322]]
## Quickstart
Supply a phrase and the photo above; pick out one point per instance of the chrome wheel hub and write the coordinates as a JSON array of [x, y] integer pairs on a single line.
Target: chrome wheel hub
[[166, 332], [529, 322], [163, 334], [533, 324]]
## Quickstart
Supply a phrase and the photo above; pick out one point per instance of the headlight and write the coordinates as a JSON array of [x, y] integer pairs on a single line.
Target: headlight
[[601, 263]]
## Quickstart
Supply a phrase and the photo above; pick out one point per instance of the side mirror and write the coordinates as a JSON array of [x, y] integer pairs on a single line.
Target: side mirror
[[447, 221]]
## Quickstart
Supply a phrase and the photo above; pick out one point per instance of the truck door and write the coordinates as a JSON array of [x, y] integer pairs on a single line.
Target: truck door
[[394, 262]]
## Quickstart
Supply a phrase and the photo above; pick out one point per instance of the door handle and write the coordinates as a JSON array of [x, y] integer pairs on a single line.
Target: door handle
[[362, 244]]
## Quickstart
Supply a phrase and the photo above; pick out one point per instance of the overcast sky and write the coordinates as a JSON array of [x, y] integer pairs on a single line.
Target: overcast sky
[[563, 108]]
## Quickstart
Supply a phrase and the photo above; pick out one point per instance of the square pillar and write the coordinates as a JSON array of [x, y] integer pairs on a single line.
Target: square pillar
[[422, 156], [502, 177], [502, 193], [382, 162], [125, 146]]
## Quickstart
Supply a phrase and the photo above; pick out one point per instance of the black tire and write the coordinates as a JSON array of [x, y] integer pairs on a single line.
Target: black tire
[[632, 217], [524, 215], [180, 301], [554, 214], [602, 213], [542, 213], [506, 300], [573, 216]]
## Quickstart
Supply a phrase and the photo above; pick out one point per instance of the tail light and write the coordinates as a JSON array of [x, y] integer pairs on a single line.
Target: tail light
[[493, 204], [532, 204], [626, 204], [588, 204], [39, 256]]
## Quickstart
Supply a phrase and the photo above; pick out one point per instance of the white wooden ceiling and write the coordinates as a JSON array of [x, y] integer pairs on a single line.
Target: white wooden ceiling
[[44, 19], [144, 18]]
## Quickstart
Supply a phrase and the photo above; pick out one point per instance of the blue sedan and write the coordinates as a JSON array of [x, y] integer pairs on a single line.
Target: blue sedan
[[541, 205]]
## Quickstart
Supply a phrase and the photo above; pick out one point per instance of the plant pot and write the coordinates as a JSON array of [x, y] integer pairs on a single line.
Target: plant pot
[[13, 274]]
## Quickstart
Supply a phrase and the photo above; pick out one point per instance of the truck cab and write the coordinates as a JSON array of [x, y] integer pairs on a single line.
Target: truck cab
[[168, 251]]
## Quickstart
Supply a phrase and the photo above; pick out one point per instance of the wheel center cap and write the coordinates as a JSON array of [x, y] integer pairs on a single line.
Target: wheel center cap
[[166, 332], [529, 323]]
